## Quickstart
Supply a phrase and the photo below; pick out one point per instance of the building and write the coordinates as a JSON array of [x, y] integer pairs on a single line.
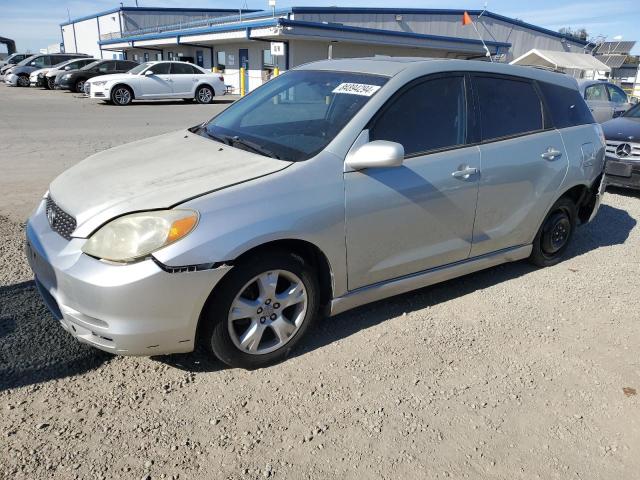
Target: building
[[303, 34], [85, 34]]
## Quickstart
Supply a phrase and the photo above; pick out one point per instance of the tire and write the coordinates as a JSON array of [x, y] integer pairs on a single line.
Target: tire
[[555, 234], [78, 87], [222, 331], [121, 95], [205, 94], [50, 83], [23, 81]]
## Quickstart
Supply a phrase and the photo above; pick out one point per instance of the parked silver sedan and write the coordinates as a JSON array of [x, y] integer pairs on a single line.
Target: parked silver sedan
[[336, 184], [605, 100]]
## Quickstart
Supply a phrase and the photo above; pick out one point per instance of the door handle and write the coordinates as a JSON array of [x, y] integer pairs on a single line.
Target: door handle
[[551, 154], [465, 173]]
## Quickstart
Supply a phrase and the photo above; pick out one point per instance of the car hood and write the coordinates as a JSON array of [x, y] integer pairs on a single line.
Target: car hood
[[40, 70], [22, 69], [158, 172], [114, 77], [622, 129]]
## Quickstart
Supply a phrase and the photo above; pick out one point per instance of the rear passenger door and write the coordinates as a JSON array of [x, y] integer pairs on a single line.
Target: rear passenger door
[[183, 80], [420, 215], [523, 162]]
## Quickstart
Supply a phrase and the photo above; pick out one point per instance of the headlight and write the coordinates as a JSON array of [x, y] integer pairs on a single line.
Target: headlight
[[135, 236], [98, 84]]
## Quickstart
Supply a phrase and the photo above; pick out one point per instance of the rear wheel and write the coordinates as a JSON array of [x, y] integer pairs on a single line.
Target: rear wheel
[[261, 310], [121, 95], [23, 81], [555, 234], [204, 94]]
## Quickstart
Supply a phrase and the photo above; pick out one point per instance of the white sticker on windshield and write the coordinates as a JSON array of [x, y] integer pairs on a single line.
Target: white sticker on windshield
[[357, 89]]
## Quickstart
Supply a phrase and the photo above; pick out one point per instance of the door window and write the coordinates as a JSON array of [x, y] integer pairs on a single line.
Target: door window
[[428, 116], [508, 107], [616, 94], [38, 62], [160, 68], [596, 92], [107, 67], [181, 69]]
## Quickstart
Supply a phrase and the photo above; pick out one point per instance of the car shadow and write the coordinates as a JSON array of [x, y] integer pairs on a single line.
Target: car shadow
[[33, 346], [625, 192], [152, 103], [610, 227]]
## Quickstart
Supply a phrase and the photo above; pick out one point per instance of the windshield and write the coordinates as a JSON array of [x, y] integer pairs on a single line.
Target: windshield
[[138, 68], [294, 116], [633, 112], [91, 65]]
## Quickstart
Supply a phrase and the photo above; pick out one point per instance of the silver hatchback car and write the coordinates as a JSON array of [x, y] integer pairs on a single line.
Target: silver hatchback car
[[336, 184]]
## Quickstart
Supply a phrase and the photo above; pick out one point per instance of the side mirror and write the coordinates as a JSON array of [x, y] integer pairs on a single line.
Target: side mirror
[[376, 154], [633, 100], [67, 67], [148, 73]]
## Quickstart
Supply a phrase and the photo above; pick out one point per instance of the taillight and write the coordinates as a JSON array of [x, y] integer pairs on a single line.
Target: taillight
[[221, 78]]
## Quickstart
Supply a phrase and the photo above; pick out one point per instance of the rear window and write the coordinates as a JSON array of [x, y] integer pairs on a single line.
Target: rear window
[[508, 107], [566, 106]]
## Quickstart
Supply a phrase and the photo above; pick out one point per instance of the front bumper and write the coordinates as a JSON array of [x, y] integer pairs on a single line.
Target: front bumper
[[134, 309], [98, 92], [11, 79], [63, 84], [623, 173], [37, 81]]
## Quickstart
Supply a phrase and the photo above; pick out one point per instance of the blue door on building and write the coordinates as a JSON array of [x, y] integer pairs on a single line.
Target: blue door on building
[[244, 63]]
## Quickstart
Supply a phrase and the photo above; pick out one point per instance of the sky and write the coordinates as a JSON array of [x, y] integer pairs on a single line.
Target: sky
[[34, 24]]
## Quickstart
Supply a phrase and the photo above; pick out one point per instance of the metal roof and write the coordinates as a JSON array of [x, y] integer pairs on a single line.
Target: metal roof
[[557, 60]]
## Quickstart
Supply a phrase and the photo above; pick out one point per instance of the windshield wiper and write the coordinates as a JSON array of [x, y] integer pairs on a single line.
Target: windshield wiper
[[253, 146], [219, 138]]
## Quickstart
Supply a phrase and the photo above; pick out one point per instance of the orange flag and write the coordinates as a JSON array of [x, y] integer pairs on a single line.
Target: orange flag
[[466, 19]]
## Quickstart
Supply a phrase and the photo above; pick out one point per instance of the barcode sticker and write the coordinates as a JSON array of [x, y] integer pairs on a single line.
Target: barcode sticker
[[357, 89]]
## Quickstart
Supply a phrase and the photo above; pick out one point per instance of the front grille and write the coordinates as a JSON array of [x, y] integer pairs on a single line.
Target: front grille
[[623, 150], [61, 222]]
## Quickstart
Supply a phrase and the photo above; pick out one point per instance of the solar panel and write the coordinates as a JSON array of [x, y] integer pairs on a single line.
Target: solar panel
[[613, 61], [615, 47]]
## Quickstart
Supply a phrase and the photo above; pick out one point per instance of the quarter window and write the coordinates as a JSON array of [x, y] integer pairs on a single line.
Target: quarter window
[[428, 116], [566, 106], [507, 107]]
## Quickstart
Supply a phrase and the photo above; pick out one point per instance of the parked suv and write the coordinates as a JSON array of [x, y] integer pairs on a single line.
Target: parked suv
[[156, 81], [19, 75], [75, 80], [336, 184], [605, 100], [65, 67]]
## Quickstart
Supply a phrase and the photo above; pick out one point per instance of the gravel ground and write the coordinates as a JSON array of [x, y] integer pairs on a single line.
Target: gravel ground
[[510, 373]]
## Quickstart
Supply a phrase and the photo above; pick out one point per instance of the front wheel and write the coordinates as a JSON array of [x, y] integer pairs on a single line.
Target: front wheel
[[261, 310], [121, 95], [50, 83], [555, 234], [204, 94], [23, 81], [79, 86]]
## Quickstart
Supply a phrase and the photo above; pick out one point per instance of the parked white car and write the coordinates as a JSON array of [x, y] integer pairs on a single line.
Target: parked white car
[[158, 80], [36, 79]]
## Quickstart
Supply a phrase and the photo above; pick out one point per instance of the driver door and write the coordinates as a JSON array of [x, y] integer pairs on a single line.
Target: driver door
[[403, 220], [158, 84]]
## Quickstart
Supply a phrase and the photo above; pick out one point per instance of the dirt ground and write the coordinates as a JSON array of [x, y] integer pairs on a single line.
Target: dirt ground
[[510, 373]]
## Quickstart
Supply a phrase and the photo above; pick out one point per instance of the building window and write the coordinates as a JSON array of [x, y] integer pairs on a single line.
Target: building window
[[170, 55], [146, 56], [269, 62], [135, 57], [159, 56], [221, 60]]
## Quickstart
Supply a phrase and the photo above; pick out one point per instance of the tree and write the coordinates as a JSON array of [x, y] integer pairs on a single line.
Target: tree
[[579, 33]]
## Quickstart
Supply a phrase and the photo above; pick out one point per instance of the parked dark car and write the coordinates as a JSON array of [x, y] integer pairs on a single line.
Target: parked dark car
[[74, 80], [623, 149]]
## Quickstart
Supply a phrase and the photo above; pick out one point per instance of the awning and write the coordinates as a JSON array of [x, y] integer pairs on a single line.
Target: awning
[[560, 60]]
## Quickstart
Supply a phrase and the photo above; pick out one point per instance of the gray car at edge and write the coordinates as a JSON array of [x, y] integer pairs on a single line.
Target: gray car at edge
[[336, 184]]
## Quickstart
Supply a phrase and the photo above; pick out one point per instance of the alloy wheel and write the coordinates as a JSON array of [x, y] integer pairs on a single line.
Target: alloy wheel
[[122, 96], [267, 312], [23, 81], [205, 95], [80, 86]]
